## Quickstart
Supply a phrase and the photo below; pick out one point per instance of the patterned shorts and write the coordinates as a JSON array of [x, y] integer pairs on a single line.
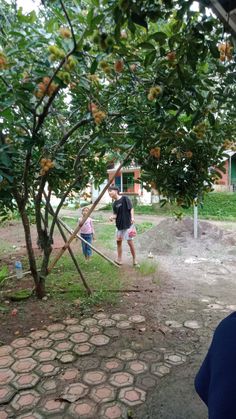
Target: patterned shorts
[[123, 235]]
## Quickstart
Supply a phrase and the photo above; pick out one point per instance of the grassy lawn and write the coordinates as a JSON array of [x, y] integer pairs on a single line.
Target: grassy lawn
[[215, 206], [99, 274]]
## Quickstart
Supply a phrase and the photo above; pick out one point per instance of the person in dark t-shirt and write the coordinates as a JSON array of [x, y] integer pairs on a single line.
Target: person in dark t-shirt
[[215, 382], [123, 214]]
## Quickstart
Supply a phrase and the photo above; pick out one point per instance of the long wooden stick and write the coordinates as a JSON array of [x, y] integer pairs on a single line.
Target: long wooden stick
[[92, 247], [51, 211], [63, 249]]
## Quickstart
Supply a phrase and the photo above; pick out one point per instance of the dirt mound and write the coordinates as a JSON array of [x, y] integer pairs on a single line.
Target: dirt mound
[[171, 233]]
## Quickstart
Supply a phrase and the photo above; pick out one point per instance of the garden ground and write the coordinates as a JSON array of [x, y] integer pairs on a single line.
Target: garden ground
[[182, 292]]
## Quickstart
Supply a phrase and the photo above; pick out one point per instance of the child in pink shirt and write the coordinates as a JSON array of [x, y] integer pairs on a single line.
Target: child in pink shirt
[[87, 233]]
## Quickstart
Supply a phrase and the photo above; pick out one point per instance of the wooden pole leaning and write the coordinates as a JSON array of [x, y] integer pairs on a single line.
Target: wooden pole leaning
[[51, 211], [69, 230], [63, 249]]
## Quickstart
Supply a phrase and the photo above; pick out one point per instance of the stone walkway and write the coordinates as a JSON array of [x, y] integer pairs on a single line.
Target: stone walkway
[[77, 369]]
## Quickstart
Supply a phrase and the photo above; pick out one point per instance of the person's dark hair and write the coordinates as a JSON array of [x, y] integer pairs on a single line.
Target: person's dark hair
[[114, 188]]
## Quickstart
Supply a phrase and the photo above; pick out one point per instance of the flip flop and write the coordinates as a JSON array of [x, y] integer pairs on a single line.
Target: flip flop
[[118, 263]]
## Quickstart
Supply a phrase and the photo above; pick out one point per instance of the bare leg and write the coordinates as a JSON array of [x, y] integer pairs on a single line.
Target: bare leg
[[132, 250], [119, 250]]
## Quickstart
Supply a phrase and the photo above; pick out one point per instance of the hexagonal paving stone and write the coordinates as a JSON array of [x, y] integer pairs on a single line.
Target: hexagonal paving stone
[[45, 355], [160, 369], [121, 379], [70, 320], [113, 410], [63, 346], [52, 406], [47, 386], [6, 376], [103, 393], [106, 322], [124, 324], [100, 316], [39, 334], [25, 400], [56, 327], [61, 335], [5, 350], [112, 332], [21, 342], [25, 352], [137, 366], [119, 317], [150, 356], [42, 343], [75, 392], [66, 357], [99, 340], [6, 361], [48, 369], [94, 377], [6, 412], [192, 324], [126, 355], [30, 415], [83, 409], [112, 365], [69, 374], [25, 381], [88, 363], [75, 328], [84, 349], [79, 337], [88, 321], [132, 396], [6, 394], [136, 318], [93, 330], [146, 381], [175, 358], [24, 365]]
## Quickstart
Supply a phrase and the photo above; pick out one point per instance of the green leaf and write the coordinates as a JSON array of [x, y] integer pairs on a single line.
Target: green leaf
[[214, 50], [159, 37], [90, 16], [150, 57], [97, 20], [93, 67], [139, 20], [146, 45], [211, 119]]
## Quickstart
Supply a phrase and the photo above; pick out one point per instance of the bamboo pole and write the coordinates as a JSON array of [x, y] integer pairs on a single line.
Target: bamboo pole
[[92, 247], [63, 249], [50, 210]]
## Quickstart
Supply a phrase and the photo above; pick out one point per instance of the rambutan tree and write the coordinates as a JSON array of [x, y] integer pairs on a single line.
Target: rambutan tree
[[81, 80]]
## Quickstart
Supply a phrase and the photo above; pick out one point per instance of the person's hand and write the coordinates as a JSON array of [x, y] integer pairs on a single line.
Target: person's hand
[[132, 220], [111, 218]]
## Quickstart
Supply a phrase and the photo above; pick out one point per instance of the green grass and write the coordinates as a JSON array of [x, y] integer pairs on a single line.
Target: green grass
[[147, 268], [215, 206], [64, 281]]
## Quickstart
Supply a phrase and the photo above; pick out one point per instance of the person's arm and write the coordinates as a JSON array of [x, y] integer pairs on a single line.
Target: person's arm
[[132, 215]]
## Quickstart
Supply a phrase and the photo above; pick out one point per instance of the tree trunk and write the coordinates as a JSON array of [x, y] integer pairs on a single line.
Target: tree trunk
[[38, 280]]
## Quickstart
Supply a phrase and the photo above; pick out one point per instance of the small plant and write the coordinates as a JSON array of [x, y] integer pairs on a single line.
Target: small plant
[[147, 268], [4, 272]]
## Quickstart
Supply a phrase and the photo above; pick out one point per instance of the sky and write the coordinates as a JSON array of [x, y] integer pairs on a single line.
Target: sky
[[28, 5]]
